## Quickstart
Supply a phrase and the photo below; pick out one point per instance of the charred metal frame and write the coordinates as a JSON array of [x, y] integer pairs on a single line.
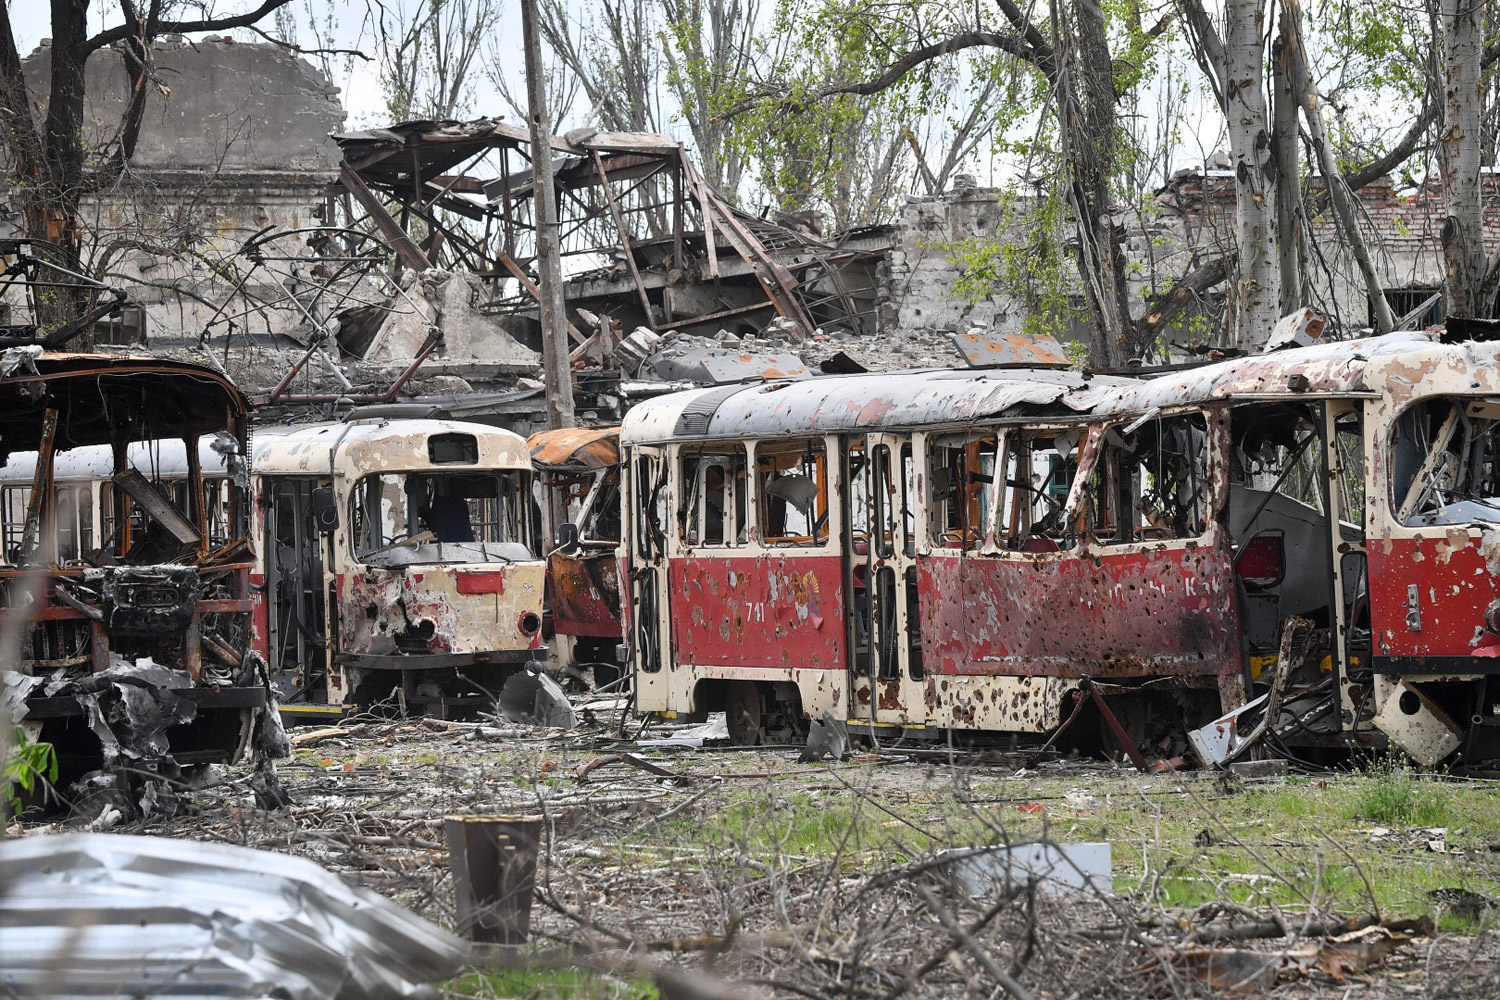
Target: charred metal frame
[[578, 470], [452, 195], [167, 593]]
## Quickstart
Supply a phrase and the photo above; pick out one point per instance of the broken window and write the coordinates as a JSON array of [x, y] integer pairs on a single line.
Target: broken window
[[1277, 520], [650, 499], [401, 519], [960, 471], [13, 503], [1150, 480], [1038, 468], [793, 482], [1445, 462], [715, 497]]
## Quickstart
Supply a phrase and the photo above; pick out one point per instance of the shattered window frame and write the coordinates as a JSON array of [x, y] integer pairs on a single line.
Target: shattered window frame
[[1024, 526], [1133, 492], [695, 525], [502, 520], [1459, 482], [961, 518], [776, 462]]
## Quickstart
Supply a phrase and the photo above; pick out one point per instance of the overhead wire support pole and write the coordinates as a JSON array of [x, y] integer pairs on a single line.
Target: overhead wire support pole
[[556, 366]]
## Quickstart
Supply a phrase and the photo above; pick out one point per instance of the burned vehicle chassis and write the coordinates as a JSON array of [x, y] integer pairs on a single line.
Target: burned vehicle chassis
[[127, 645]]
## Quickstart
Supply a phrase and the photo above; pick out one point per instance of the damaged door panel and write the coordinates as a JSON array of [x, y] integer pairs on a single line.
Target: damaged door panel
[[578, 471]]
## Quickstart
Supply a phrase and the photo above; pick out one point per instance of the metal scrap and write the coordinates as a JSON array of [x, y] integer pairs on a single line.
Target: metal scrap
[[101, 915]]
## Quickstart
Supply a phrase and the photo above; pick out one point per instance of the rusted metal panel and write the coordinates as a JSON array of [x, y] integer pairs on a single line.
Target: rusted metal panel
[[763, 611], [1131, 614], [580, 449], [1429, 592], [585, 595], [421, 609], [1018, 350]]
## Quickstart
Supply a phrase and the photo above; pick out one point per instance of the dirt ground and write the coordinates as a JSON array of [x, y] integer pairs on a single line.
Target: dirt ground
[[743, 872]]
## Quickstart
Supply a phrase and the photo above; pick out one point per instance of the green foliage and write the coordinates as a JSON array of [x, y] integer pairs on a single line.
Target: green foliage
[[1024, 260], [1391, 792], [27, 768]]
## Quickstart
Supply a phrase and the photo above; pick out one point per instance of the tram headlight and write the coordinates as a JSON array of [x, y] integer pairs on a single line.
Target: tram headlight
[[530, 623]]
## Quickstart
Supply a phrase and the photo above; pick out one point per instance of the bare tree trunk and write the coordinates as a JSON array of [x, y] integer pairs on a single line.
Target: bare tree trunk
[[1087, 127], [1338, 194], [1285, 162], [1255, 297], [1459, 157]]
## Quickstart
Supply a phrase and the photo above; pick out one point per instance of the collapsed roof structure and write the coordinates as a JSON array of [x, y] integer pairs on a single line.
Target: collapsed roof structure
[[646, 242]]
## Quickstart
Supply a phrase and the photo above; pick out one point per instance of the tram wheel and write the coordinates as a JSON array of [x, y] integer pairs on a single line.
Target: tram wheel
[[744, 710]]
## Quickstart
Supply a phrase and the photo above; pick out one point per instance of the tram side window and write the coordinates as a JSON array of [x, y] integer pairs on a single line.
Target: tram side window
[[715, 498], [1445, 466], [1039, 467], [13, 503], [960, 471], [649, 502], [793, 481], [1151, 480], [74, 513]]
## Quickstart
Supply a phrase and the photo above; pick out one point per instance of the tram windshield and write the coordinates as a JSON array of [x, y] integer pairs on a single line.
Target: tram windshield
[[406, 519]]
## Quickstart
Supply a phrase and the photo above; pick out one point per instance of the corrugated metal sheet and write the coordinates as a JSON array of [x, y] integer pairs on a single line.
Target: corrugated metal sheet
[[110, 916]]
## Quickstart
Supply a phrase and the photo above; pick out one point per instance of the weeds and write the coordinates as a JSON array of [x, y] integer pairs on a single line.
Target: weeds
[[28, 768], [1393, 794]]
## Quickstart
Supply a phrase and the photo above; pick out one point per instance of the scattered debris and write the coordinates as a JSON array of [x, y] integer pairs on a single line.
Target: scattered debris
[[532, 696], [581, 773], [1340, 956], [1057, 869], [826, 738]]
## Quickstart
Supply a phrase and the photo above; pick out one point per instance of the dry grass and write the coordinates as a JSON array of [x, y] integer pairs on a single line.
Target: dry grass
[[750, 872]]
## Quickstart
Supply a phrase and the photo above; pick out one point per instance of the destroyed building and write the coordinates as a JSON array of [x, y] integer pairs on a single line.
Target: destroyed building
[[233, 142]]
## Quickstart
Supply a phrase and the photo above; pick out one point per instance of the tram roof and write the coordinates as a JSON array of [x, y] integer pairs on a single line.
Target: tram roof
[[379, 445], [95, 394], [1390, 364], [576, 449]]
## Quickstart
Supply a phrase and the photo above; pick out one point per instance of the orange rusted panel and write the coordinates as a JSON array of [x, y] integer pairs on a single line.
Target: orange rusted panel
[[576, 448]]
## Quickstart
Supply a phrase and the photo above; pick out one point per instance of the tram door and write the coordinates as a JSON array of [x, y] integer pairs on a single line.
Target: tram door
[[886, 682], [296, 613]]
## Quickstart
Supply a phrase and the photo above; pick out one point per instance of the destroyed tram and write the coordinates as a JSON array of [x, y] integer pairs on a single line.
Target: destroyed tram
[[1309, 537], [126, 607]]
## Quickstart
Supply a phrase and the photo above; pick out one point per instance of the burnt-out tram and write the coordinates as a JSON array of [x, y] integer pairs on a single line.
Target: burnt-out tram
[[1313, 532], [125, 609]]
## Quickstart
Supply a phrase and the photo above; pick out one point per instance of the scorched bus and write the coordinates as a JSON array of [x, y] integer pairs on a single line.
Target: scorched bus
[[125, 608], [1313, 534]]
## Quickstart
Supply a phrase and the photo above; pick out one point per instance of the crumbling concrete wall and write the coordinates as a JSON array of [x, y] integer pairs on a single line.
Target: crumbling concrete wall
[[1189, 221], [221, 106]]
